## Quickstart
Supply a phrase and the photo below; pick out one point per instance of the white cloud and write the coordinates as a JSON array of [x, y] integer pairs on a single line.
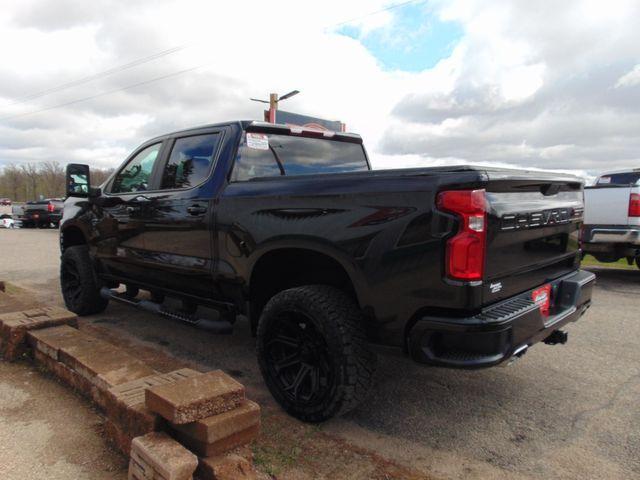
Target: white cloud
[[521, 82], [528, 84], [630, 79]]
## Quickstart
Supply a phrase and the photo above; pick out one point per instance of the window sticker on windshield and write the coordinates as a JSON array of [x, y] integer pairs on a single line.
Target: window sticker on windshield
[[604, 180], [259, 141]]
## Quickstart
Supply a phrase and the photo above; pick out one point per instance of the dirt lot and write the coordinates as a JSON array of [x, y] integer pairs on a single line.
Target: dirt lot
[[561, 412]]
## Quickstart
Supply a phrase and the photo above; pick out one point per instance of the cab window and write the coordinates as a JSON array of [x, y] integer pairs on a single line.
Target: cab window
[[136, 174], [272, 155], [626, 178], [190, 161]]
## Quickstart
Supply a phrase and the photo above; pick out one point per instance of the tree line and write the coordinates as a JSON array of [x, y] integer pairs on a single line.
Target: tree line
[[32, 181]]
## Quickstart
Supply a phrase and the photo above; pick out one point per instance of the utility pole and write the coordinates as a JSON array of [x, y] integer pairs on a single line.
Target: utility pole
[[273, 106], [274, 99]]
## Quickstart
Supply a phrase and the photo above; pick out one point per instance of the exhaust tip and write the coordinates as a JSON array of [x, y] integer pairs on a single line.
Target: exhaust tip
[[517, 353]]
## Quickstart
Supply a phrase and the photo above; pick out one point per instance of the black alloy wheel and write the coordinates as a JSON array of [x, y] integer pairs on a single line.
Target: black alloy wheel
[[71, 283], [298, 360], [78, 281], [313, 352]]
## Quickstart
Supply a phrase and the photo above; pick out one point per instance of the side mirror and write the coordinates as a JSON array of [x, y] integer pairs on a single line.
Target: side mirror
[[78, 180]]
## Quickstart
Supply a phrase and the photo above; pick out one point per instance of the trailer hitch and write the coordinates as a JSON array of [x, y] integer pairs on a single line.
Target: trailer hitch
[[557, 337]]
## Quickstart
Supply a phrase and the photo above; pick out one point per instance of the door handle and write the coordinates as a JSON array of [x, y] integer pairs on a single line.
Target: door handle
[[140, 200], [196, 210], [137, 203]]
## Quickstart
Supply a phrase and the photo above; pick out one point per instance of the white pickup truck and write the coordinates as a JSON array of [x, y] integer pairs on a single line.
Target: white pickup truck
[[611, 228]]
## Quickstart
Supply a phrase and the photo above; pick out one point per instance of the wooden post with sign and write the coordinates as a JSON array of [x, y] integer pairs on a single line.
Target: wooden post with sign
[[273, 106]]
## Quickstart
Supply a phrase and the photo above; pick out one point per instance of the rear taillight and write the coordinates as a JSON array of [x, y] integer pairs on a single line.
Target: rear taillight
[[50, 207], [634, 205], [466, 250]]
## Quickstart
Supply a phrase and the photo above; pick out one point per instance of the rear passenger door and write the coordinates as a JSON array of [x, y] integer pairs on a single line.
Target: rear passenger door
[[178, 233]]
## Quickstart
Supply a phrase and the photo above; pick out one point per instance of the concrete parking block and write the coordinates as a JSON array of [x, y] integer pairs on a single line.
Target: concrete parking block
[[137, 472], [125, 403], [68, 376], [15, 325], [220, 427], [117, 437], [229, 466], [196, 397], [99, 363], [222, 445], [49, 341], [156, 455], [102, 363]]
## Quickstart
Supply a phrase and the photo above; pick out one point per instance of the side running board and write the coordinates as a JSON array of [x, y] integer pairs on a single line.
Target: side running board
[[215, 326]]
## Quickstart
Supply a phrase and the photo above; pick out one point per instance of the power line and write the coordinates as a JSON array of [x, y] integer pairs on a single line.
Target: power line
[[386, 9], [145, 82], [84, 99], [104, 73]]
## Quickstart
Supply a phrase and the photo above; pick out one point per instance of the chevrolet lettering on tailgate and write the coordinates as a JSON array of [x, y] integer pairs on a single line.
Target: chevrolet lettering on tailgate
[[558, 216]]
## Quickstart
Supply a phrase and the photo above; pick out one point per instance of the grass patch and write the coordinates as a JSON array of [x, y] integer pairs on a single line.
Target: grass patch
[[11, 289], [274, 459], [589, 260]]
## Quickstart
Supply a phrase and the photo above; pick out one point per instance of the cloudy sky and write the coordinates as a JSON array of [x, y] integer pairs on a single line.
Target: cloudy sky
[[546, 84]]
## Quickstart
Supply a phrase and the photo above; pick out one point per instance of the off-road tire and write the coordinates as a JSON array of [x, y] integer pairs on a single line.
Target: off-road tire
[[337, 342], [79, 283]]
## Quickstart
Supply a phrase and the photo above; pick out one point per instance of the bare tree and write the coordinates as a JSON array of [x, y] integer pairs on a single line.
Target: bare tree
[[27, 181], [98, 176], [12, 181], [52, 176], [30, 171]]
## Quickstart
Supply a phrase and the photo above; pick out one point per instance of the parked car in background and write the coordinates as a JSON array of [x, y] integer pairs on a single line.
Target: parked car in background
[[5, 201], [42, 213], [17, 210], [7, 221], [458, 266], [611, 229]]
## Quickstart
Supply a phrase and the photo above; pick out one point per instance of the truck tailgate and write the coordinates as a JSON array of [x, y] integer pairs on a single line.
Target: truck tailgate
[[607, 205], [532, 237]]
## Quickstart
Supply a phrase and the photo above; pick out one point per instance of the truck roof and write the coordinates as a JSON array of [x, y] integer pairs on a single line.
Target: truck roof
[[256, 126]]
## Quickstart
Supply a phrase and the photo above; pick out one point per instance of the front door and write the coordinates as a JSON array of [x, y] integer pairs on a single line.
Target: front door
[[125, 210], [178, 232]]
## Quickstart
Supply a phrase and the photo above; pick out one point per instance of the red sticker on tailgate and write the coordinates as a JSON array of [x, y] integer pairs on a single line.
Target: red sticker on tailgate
[[542, 297]]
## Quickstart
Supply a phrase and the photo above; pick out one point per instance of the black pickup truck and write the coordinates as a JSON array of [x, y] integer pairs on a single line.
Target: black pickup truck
[[42, 213], [458, 266]]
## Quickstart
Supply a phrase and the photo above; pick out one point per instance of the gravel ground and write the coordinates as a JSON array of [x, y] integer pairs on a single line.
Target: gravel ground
[[48, 432], [560, 412]]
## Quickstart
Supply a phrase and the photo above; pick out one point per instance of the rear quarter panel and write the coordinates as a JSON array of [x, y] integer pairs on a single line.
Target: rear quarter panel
[[382, 228]]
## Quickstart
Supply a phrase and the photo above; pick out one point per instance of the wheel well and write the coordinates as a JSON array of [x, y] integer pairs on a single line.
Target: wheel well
[[72, 236], [281, 269]]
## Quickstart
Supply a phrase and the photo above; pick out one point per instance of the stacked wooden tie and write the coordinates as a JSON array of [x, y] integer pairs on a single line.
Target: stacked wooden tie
[[158, 419], [206, 412], [209, 414], [15, 325]]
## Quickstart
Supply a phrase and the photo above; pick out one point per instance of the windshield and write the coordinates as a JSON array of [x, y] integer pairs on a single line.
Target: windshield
[[269, 155]]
